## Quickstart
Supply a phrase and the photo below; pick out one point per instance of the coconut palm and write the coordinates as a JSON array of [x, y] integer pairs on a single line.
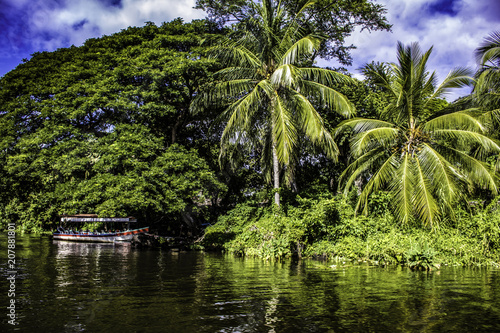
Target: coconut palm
[[422, 158], [272, 94], [487, 88]]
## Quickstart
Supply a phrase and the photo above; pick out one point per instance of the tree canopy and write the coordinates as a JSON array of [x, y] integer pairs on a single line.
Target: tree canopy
[[91, 129], [107, 127], [335, 19]]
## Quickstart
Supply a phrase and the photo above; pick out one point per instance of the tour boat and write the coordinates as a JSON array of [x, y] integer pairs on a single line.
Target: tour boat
[[69, 233]]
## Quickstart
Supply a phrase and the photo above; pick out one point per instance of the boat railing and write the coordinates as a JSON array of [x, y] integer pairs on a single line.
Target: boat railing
[[85, 232]]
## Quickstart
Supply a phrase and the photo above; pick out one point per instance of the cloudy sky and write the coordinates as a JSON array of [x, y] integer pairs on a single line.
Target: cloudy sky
[[453, 27]]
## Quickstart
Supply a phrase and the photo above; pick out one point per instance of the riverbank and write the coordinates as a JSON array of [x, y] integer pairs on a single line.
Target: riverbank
[[103, 287], [327, 228]]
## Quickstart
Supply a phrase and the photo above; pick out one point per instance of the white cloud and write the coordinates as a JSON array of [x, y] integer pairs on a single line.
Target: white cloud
[[453, 37], [52, 26], [45, 25]]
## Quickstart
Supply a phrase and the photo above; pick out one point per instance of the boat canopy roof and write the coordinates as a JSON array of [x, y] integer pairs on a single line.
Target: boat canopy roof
[[95, 218]]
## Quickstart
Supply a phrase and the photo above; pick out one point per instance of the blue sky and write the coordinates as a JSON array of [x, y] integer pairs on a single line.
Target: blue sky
[[454, 27]]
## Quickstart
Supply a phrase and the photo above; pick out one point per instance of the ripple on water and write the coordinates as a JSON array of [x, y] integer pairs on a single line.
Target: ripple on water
[[69, 287]]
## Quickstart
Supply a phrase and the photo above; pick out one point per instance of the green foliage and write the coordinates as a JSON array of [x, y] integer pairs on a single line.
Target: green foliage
[[334, 19], [105, 128], [92, 129], [380, 203], [483, 226], [487, 88], [270, 89], [130, 176], [421, 257], [252, 230], [429, 159], [328, 228]]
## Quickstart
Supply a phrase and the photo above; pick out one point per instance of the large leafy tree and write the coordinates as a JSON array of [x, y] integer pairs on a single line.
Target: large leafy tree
[[132, 173], [70, 136], [423, 158], [270, 90], [158, 79]]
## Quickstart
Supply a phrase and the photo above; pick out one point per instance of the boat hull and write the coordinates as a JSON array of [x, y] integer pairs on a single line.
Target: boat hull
[[122, 236]]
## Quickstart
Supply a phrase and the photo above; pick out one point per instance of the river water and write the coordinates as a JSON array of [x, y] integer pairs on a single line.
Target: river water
[[76, 287]]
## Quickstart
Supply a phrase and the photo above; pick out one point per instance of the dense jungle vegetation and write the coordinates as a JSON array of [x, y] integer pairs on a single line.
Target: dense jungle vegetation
[[228, 122]]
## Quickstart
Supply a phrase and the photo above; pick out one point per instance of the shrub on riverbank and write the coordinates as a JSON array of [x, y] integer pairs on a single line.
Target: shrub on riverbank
[[327, 228]]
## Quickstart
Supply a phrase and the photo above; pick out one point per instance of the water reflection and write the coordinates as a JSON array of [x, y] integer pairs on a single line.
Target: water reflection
[[78, 287]]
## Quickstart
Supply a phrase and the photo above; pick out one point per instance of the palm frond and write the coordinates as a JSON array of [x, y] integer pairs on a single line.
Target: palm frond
[[456, 78], [467, 137], [383, 136], [490, 117], [487, 88], [425, 205], [446, 179], [238, 114], [285, 76], [360, 166], [403, 187], [466, 119], [236, 73], [359, 125], [235, 54], [294, 31], [379, 73], [476, 172], [325, 76], [380, 178], [329, 98], [303, 47], [489, 50], [313, 126], [230, 89], [284, 130]]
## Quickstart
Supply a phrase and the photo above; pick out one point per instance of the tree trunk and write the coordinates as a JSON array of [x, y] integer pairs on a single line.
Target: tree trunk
[[174, 134], [276, 173], [174, 130], [178, 122]]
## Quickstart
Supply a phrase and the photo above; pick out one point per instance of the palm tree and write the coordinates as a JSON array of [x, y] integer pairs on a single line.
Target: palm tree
[[272, 94], [422, 157], [487, 88]]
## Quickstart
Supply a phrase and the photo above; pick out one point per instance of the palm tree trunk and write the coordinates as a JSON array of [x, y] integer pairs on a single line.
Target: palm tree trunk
[[276, 174], [276, 166]]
